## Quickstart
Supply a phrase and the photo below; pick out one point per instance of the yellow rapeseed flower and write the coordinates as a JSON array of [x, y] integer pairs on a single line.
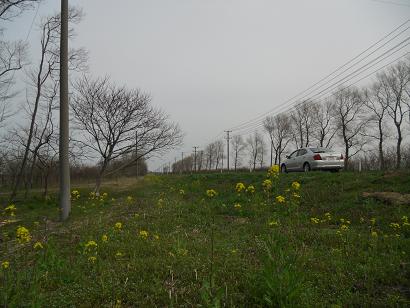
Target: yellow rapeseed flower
[[92, 259], [90, 245], [237, 206], [295, 185], [395, 225], [240, 187], [211, 193], [119, 254], [328, 216], [38, 245], [344, 227], [118, 225], [273, 171], [5, 264], [273, 223], [374, 234], [129, 199], [182, 192], [23, 235], [280, 199], [250, 189], [104, 238], [314, 220], [156, 236], [267, 184], [144, 234]]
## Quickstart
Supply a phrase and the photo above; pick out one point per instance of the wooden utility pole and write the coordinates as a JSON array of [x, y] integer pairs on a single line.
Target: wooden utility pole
[[195, 147], [65, 204], [227, 146]]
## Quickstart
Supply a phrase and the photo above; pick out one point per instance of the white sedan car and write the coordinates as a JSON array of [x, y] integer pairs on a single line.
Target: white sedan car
[[307, 159]]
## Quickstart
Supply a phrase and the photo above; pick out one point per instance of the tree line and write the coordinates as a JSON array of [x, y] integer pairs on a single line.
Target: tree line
[[368, 124]]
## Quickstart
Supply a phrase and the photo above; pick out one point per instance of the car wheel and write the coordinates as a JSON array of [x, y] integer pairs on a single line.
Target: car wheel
[[283, 169], [306, 167]]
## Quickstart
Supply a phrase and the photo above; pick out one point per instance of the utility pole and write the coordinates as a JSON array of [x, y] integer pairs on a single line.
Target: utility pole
[[65, 204], [195, 147], [227, 145]]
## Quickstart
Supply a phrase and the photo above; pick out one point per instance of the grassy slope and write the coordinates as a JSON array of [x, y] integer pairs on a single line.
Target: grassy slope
[[210, 252]]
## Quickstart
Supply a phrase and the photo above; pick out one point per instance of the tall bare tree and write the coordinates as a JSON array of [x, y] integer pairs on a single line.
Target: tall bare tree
[[303, 122], [395, 82], [109, 115], [323, 121], [377, 103], [255, 147], [46, 71], [279, 130], [9, 9], [351, 121], [238, 145]]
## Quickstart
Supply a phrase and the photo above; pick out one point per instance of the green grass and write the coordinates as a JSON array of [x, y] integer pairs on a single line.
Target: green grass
[[203, 251]]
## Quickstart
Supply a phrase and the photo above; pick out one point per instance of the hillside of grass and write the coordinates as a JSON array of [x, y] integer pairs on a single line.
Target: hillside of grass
[[296, 240]]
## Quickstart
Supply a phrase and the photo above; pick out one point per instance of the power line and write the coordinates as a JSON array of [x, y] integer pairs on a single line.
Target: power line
[[333, 86], [327, 76]]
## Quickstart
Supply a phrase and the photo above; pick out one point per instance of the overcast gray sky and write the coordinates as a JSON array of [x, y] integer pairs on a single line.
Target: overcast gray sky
[[212, 64]]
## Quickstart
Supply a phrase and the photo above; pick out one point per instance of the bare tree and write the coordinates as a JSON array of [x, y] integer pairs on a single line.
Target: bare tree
[[323, 121], [254, 145], [350, 120], [9, 9], [302, 121], [45, 71], [109, 115], [238, 145], [395, 82], [377, 104], [219, 152], [279, 130]]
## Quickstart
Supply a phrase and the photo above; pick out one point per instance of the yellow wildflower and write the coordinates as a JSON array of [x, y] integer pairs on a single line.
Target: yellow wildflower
[[344, 227], [118, 225], [129, 199], [38, 245], [92, 259], [104, 238], [211, 193], [373, 221], [374, 234], [280, 199], [144, 234], [23, 235], [156, 236], [295, 185], [328, 216], [250, 189], [10, 209], [119, 254], [182, 192], [267, 185], [273, 223], [295, 195], [273, 171], [90, 245], [237, 206], [5, 264], [395, 225], [240, 187], [75, 194], [314, 220]]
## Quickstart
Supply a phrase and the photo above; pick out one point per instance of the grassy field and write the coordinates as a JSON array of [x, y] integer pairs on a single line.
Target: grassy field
[[169, 241]]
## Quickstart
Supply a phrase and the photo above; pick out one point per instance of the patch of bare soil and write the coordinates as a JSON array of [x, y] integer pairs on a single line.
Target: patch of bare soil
[[389, 197]]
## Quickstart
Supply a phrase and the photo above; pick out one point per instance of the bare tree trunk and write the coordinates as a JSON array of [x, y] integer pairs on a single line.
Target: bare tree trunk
[[398, 150]]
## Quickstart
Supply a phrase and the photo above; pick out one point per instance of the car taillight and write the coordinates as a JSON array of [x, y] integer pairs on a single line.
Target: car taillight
[[317, 157], [341, 156]]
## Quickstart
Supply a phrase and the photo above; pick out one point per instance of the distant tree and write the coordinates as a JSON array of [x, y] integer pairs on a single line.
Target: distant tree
[[238, 145], [395, 82], [109, 116], [377, 103], [219, 153], [351, 120], [323, 122], [302, 119], [9, 9], [254, 145], [279, 130]]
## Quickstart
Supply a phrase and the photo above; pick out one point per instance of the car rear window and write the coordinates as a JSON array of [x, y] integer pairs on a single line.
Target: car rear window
[[321, 150]]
